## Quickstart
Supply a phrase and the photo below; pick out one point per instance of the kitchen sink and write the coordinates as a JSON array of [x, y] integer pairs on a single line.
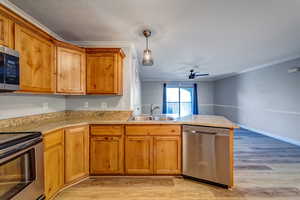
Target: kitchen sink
[[152, 118]]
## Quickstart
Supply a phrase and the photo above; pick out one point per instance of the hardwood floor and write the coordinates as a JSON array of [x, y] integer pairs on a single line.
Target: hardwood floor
[[265, 169]]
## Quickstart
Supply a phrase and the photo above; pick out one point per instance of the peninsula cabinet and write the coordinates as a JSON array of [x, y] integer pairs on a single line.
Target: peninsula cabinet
[[71, 70], [139, 155], [6, 32], [167, 155], [37, 69], [105, 71], [76, 153], [107, 149], [54, 162], [153, 149]]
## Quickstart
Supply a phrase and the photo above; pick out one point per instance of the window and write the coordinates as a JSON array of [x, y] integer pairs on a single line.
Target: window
[[179, 101]]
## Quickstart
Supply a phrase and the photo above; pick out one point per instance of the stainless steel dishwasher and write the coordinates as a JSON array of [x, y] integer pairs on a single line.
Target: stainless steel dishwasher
[[206, 154]]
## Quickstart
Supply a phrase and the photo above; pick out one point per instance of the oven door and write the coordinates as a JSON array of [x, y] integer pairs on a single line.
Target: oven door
[[21, 174]]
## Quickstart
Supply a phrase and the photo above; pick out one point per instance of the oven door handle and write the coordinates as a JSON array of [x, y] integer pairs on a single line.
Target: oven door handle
[[19, 147]]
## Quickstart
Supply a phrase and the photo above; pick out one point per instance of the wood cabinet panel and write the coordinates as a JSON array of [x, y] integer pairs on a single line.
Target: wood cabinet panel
[[105, 71], [139, 155], [76, 153], [53, 138], [153, 130], [6, 34], [110, 130], [53, 163], [71, 73], [167, 155], [36, 61], [107, 155]]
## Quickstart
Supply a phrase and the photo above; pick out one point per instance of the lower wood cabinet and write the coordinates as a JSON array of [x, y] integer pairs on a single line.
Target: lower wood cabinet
[[167, 155], [76, 153], [107, 149], [153, 149], [139, 155], [107, 155], [54, 162]]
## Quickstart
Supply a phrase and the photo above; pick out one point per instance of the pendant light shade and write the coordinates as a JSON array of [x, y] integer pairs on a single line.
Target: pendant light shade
[[147, 55]]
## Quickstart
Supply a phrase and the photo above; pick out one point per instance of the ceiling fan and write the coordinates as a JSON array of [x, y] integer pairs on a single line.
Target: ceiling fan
[[194, 74]]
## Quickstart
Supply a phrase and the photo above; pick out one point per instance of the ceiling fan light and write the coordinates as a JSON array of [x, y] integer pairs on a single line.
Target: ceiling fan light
[[147, 58]]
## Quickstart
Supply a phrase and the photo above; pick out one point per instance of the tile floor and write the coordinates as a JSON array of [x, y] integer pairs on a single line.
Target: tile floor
[[265, 169]]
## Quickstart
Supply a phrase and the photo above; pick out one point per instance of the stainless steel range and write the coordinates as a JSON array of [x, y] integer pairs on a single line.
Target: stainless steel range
[[21, 166]]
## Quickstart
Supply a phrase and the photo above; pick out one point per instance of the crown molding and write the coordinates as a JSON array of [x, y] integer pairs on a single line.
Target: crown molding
[[107, 44], [268, 64], [29, 18]]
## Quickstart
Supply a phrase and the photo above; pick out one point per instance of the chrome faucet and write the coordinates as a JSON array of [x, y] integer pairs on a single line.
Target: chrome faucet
[[152, 109]]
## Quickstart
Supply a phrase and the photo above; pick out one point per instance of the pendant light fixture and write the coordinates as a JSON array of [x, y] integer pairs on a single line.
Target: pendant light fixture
[[147, 56]]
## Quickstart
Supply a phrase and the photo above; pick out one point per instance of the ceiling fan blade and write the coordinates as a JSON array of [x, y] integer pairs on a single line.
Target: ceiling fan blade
[[202, 74]]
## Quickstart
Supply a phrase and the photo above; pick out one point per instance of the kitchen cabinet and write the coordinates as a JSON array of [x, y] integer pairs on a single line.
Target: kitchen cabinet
[[53, 162], [71, 70], [107, 155], [153, 149], [167, 155], [76, 153], [139, 155], [107, 149], [37, 67], [6, 32], [105, 71]]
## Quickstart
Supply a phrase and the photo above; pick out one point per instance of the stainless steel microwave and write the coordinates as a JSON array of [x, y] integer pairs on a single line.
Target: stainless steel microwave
[[9, 69]]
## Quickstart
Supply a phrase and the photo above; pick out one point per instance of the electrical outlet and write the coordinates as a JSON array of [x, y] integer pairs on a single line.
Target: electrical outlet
[[45, 106], [103, 105], [86, 104]]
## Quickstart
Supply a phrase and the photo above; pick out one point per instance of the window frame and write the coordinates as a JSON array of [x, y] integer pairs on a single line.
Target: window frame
[[179, 97]]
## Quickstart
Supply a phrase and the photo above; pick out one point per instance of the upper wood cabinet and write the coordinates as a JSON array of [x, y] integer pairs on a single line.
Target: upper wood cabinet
[[54, 162], [76, 153], [105, 71], [37, 69], [71, 70], [6, 32]]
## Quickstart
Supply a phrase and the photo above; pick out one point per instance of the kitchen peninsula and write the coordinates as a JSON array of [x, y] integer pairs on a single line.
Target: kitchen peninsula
[[82, 143]]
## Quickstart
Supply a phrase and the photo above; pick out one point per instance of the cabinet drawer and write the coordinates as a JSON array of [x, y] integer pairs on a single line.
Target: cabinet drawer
[[107, 130], [153, 130], [53, 138]]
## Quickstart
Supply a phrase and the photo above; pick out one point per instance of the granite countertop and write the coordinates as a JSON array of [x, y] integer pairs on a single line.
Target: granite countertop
[[49, 126]]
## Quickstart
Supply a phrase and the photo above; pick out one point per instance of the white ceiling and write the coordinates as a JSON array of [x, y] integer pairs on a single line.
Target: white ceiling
[[222, 37]]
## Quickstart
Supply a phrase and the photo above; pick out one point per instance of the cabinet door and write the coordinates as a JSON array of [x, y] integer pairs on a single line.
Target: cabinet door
[[139, 154], [36, 61], [76, 153], [6, 35], [101, 73], [70, 71], [107, 155], [167, 155], [53, 163]]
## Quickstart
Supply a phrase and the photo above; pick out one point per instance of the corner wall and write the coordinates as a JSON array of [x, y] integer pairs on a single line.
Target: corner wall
[[265, 100]]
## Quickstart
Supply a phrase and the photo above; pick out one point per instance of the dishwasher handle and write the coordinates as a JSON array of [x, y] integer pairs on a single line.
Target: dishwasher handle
[[206, 133], [201, 132]]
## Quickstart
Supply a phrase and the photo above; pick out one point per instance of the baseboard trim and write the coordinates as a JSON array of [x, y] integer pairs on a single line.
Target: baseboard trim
[[284, 139]]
